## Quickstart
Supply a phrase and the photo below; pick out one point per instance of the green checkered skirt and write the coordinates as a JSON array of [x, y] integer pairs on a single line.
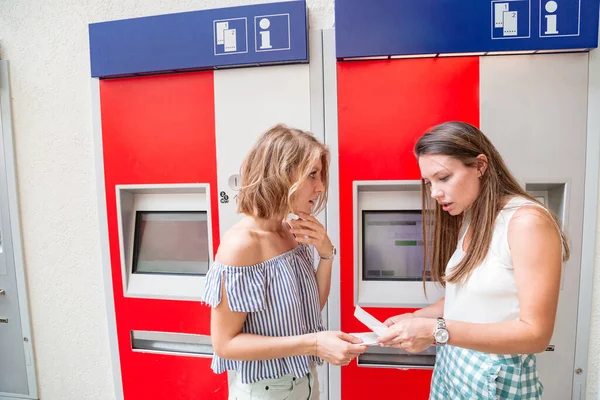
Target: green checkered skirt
[[466, 374]]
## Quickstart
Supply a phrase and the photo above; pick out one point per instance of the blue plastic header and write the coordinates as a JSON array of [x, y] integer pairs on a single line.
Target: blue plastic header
[[413, 27], [257, 34]]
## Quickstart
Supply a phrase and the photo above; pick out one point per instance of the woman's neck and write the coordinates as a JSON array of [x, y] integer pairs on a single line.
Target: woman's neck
[[268, 225]]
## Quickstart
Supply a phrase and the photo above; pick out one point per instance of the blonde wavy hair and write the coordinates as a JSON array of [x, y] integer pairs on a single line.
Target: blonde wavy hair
[[277, 165]]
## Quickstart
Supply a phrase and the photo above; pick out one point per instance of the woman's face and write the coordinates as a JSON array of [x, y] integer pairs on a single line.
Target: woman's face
[[453, 185], [309, 191]]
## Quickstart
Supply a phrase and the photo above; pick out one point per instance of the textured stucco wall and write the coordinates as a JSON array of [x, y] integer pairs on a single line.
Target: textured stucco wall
[[47, 46]]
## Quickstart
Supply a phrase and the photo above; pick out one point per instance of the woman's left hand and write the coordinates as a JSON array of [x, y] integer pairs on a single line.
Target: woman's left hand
[[309, 230], [412, 334]]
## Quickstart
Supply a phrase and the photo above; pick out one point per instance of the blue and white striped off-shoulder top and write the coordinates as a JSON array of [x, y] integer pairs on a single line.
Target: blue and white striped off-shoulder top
[[281, 298]]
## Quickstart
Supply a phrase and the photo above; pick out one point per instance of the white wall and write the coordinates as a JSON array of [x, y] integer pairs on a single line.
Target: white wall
[[47, 45], [593, 371]]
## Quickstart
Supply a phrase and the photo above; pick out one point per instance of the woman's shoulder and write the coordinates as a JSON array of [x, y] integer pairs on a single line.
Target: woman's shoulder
[[525, 209], [243, 245], [240, 246], [531, 217], [532, 221]]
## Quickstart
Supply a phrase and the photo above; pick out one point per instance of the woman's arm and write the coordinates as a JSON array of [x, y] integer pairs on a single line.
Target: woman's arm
[[536, 250], [230, 342], [432, 311], [324, 280], [309, 230]]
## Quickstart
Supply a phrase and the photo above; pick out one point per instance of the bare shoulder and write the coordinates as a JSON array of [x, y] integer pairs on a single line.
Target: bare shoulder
[[531, 217], [239, 246], [530, 223]]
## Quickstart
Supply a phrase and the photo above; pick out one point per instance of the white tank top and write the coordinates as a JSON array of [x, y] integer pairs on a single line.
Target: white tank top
[[490, 293]]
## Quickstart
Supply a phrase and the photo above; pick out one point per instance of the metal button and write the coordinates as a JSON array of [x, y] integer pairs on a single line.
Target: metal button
[[235, 182], [2, 292]]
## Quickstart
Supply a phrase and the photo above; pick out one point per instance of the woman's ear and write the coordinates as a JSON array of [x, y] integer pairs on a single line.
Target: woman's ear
[[482, 164]]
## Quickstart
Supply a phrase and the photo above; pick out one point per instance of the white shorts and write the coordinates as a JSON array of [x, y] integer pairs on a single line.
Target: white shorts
[[287, 387]]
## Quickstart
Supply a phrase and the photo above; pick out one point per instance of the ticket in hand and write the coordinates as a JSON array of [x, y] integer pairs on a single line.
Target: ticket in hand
[[368, 338], [377, 327]]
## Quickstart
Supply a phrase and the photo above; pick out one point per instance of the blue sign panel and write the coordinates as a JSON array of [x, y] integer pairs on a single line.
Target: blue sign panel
[[246, 35], [413, 27]]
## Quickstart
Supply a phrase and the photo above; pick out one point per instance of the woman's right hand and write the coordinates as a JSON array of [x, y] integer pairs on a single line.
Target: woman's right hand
[[338, 348], [392, 320]]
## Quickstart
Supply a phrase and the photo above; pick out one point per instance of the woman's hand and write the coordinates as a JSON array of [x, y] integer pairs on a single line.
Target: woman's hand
[[410, 334], [397, 318], [338, 348], [309, 230]]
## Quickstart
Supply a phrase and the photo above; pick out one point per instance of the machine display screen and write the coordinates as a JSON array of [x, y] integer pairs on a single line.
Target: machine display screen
[[168, 242], [392, 245]]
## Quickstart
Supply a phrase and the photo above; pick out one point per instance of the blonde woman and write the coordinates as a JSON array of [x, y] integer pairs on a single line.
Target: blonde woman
[[499, 254], [265, 294]]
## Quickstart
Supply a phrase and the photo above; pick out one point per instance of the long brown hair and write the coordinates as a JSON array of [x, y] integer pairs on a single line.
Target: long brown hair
[[465, 142], [276, 166]]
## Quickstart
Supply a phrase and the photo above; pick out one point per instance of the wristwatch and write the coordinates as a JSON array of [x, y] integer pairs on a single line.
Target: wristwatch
[[329, 257], [441, 334]]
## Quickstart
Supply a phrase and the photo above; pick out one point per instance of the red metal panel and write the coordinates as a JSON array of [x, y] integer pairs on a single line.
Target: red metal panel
[[383, 107], [158, 130]]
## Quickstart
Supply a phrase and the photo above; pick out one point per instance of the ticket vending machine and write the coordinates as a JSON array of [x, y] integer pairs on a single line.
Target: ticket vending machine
[[170, 147], [382, 108], [534, 109], [172, 130]]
